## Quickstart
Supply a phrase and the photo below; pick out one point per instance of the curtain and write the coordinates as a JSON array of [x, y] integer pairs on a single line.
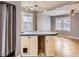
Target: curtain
[[0, 29], [8, 26]]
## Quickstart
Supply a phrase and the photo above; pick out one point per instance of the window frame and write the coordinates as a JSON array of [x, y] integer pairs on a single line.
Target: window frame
[[56, 24], [67, 29], [62, 23], [23, 30]]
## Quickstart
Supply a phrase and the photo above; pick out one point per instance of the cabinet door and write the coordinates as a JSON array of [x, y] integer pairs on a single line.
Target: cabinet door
[[49, 48], [25, 43], [31, 43], [34, 46]]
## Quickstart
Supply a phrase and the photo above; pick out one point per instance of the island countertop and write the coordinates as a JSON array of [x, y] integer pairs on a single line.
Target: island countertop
[[36, 33]]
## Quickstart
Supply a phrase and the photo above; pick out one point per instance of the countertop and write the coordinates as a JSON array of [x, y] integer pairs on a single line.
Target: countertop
[[36, 33]]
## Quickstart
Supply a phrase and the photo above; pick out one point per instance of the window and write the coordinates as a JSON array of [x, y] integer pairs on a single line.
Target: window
[[27, 23], [58, 23], [63, 23], [66, 23]]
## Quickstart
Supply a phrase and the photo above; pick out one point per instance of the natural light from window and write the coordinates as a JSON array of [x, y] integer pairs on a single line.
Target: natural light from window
[[62, 23], [27, 23]]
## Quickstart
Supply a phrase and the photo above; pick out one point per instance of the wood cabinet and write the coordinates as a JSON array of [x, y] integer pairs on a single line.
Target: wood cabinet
[[49, 46], [31, 43], [34, 46]]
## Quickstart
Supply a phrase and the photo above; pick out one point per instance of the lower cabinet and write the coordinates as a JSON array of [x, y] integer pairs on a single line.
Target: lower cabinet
[[29, 46], [34, 46], [50, 46]]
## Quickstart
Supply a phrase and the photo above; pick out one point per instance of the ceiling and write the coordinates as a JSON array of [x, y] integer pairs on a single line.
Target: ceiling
[[54, 7], [44, 4], [65, 9]]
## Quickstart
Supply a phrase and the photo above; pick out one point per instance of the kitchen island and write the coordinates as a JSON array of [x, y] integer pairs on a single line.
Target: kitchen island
[[38, 33], [37, 43]]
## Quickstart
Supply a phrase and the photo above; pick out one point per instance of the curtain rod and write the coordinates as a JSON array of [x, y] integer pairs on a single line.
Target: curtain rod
[[2, 2]]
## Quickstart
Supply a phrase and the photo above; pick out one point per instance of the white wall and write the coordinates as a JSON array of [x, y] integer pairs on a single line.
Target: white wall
[[18, 25], [43, 22]]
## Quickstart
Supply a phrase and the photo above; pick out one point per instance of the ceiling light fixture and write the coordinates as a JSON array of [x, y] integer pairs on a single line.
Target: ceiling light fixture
[[36, 8], [72, 12]]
